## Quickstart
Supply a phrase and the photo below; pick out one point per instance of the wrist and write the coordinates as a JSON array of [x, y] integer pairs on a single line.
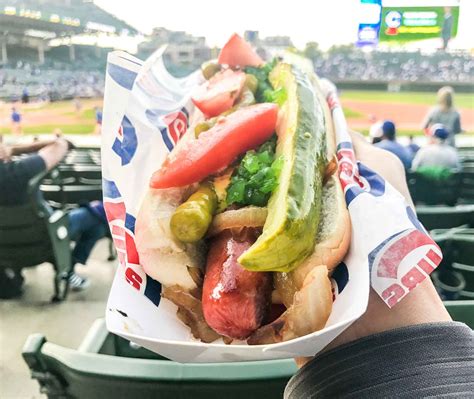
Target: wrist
[[422, 305]]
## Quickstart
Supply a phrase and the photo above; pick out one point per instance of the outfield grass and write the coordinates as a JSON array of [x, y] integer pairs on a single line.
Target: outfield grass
[[462, 100], [86, 114], [350, 113], [57, 105], [43, 129]]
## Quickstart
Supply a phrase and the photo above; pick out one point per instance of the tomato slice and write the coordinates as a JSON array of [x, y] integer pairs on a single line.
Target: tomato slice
[[219, 93], [218, 147], [237, 52]]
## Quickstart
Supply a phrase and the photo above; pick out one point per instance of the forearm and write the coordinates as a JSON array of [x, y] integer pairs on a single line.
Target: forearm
[[30, 147], [53, 153], [423, 360]]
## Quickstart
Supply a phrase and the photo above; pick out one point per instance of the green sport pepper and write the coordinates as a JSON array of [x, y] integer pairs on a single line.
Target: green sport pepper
[[192, 218]]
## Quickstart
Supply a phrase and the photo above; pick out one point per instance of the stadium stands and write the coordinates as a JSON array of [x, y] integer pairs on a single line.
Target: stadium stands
[[43, 83], [348, 63], [28, 60]]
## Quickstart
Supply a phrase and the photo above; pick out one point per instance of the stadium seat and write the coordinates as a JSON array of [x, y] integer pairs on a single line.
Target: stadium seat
[[455, 275], [461, 311], [82, 156], [445, 217], [106, 366], [31, 234], [425, 190], [466, 194], [68, 186], [69, 196]]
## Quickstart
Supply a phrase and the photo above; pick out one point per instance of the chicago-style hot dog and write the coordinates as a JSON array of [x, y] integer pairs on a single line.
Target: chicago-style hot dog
[[245, 211]]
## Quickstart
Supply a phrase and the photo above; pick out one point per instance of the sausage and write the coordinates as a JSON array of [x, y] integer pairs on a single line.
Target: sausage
[[235, 301]]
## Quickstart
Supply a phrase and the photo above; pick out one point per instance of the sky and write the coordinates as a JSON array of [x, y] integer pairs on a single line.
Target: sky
[[326, 21]]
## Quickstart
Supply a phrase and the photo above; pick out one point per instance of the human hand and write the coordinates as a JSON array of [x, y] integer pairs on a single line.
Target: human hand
[[5, 153], [423, 304]]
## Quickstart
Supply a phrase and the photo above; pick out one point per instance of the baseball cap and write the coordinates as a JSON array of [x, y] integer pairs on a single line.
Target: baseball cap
[[375, 130], [388, 128], [439, 130]]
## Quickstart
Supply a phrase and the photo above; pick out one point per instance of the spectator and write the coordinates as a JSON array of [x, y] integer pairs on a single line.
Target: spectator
[[389, 143], [376, 132], [446, 114], [98, 119], [16, 122], [77, 106], [86, 224], [446, 30], [25, 96], [412, 147], [438, 154]]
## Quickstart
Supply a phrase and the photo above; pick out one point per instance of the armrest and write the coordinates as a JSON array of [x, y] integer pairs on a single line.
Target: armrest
[[58, 230], [31, 351], [58, 224], [95, 337]]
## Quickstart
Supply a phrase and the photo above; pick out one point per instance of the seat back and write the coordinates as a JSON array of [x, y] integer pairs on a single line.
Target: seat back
[[445, 217], [462, 311], [466, 194], [70, 185], [69, 373], [425, 190], [458, 261], [462, 247]]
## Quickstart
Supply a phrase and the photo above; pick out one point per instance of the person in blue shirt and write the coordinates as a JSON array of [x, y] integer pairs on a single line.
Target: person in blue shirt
[[98, 120], [390, 144], [16, 122]]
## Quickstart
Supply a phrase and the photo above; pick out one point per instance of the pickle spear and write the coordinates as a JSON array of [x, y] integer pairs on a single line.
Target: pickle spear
[[294, 208]]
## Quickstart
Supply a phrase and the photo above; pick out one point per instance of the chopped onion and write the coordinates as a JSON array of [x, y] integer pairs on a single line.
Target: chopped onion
[[249, 216]]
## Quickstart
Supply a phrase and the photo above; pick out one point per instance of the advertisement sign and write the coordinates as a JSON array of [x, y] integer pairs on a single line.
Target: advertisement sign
[[404, 22]]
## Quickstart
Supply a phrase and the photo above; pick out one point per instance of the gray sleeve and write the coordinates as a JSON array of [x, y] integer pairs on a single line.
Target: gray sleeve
[[428, 118], [426, 360]]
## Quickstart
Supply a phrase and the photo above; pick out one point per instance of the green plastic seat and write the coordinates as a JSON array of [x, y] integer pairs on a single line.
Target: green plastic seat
[[31, 234], [425, 190], [105, 367], [466, 194], [69, 195], [461, 311], [69, 185], [445, 217], [458, 259]]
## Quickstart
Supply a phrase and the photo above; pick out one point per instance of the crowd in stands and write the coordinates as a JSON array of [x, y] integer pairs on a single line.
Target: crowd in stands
[[58, 78], [49, 84], [353, 64]]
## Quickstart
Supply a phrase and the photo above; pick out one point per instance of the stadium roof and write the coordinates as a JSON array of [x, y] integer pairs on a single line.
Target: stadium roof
[[58, 17]]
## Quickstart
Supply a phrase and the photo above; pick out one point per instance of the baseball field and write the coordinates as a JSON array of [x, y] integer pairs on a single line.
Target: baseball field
[[407, 110]]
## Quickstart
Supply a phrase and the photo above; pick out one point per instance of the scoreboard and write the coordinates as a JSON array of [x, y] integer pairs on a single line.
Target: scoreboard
[[402, 21]]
